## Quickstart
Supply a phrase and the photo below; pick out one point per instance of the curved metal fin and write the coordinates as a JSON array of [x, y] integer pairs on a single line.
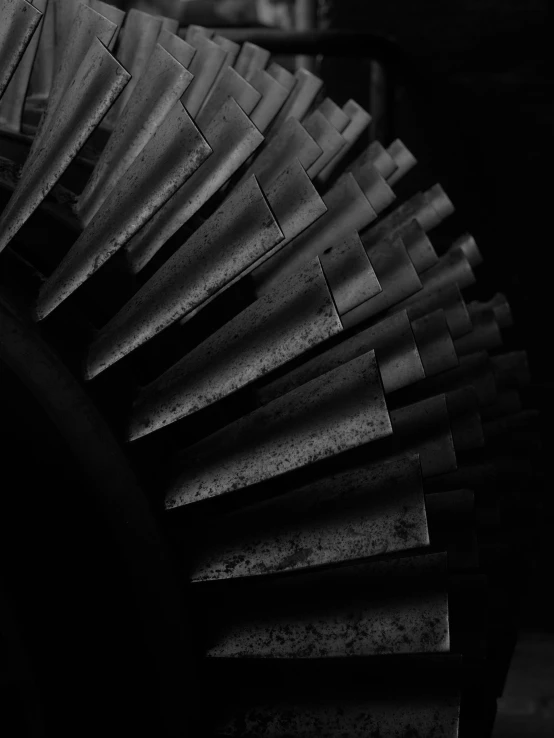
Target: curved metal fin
[[282, 75], [161, 85], [273, 95], [326, 136], [375, 188], [96, 84], [375, 156], [467, 246], [300, 100], [230, 84], [404, 160], [43, 69], [335, 115], [233, 138], [238, 232], [341, 410], [434, 343], [485, 336], [232, 50], [251, 58], [359, 121], [177, 47], [205, 66], [296, 316], [18, 22], [175, 150]]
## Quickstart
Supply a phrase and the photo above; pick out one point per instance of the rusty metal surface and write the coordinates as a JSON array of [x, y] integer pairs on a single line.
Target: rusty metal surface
[[112, 13], [375, 188], [205, 66], [230, 84], [326, 136], [65, 12], [465, 419], [299, 101], [232, 138], [450, 299], [394, 345], [98, 81], [419, 246], [434, 342], [227, 243], [18, 22], [349, 273], [273, 96], [341, 410], [485, 336], [452, 268], [12, 99], [251, 58], [280, 326], [161, 85], [375, 156], [403, 158], [363, 512], [424, 428], [335, 115], [359, 121], [175, 151]]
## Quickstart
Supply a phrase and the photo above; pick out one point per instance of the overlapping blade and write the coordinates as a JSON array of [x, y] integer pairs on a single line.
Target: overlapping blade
[[43, 69], [250, 60], [18, 22], [230, 84], [326, 136], [359, 121], [300, 100], [273, 95], [205, 66]]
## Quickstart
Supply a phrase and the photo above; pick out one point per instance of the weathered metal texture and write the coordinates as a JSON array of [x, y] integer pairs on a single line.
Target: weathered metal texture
[[112, 13], [375, 156], [232, 138], [335, 115], [347, 209], [230, 84], [420, 248], [292, 142], [177, 47], [349, 273], [391, 339], [398, 624], [65, 12], [467, 246], [507, 403], [251, 58], [161, 85], [136, 43], [390, 717], [450, 299], [404, 160], [375, 188], [359, 121], [452, 268], [499, 306], [282, 325], [485, 335], [12, 99], [205, 66], [424, 428], [475, 369], [273, 96], [18, 22], [299, 101], [465, 419], [341, 410], [282, 75], [96, 84], [397, 277], [434, 343], [363, 512], [240, 230], [326, 136], [511, 370], [193, 31], [43, 69], [175, 151]]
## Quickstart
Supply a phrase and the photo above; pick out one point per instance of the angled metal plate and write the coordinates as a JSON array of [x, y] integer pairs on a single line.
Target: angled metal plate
[[475, 369], [282, 75], [438, 206], [326, 136], [419, 246], [299, 101], [232, 50], [450, 299], [96, 84], [233, 138], [240, 230], [374, 156], [230, 84], [193, 31], [375, 188], [485, 336], [273, 96], [434, 343], [467, 246], [335, 115], [161, 85], [343, 409], [18, 22], [177, 47], [359, 121], [298, 315], [404, 160], [251, 58], [43, 69], [205, 66], [112, 13], [391, 339], [175, 151], [452, 268]]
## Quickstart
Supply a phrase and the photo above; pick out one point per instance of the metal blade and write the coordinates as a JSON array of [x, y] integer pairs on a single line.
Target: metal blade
[[43, 69], [359, 121], [233, 138], [326, 136], [452, 268], [335, 115], [404, 160], [434, 342], [273, 95], [485, 336], [18, 22], [299, 101], [65, 12], [298, 315], [282, 75], [230, 84], [231, 49], [466, 245], [375, 156], [375, 188], [97, 83], [343, 409], [450, 299], [251, 58], [420, 248], [161, 85], [205, 67], [175, 151], [228, 242], [499, 306]]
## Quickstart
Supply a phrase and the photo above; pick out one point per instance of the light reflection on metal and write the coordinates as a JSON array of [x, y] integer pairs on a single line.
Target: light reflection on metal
[[326, 136], [236, 235], [450, 299], [193, 31], [365, 511], [65, 12], [251, 58], [177, 47], [171, 25], [404, 160], [465, 419], [12, 99], [175, 151], [273, 95], [335, 115], [419, 247], [375, 188], [96, 84], [341, 410], [230, 84], [374, 156], [233, 138], [485, 335], [18, 22], [205, 66], [282, 75], [434, 342], [349, 273], [299, 101], [475, 369], [394, 345], [467, 246], [42, 73], [161, 85], [232, 50], [296, 316], [359, 121]]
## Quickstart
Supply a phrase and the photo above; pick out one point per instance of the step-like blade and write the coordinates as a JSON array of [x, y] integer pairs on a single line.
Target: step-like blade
[[194, 30], [341, 410], [359, 121], [404, 160], [230, 84], [177, 47], [376, 156], [467, 246], [282, 75], [251, 58], [273, 96], [299, 101], [335, 115], [18, 22], [97, 83], [232, 51], [279, 327], [419, 246], [205, 66], [326, 136], [450, 299], [499, 306], [236, 235], [485, 336], [161, 85], [173, 153], [436, 348], [112, 13], [43, 69]]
